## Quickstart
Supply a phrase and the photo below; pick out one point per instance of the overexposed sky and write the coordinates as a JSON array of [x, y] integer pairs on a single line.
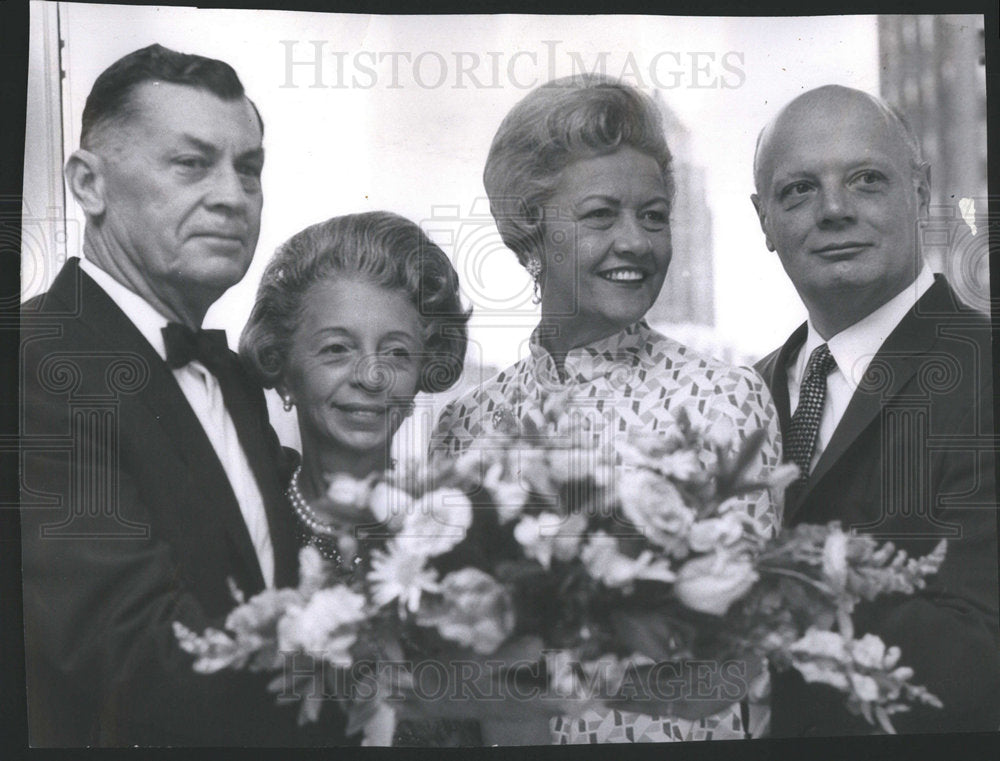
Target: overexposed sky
[[407, 107]]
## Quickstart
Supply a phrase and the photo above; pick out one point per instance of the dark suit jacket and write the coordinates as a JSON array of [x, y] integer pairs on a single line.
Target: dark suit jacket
[[912, 461], [129, 523]]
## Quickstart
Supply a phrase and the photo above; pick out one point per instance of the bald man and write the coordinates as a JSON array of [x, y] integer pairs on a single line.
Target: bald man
[[885, 400]]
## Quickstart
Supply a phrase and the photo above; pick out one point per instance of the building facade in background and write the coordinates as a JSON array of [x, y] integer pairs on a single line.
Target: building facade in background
[[688, 294], [932, 68]]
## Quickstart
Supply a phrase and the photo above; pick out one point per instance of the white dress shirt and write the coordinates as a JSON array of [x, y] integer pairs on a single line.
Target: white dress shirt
[[203, 393], [853, 349]]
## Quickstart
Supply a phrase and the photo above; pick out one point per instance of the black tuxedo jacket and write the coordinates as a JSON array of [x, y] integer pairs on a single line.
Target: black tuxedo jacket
[[129, 523], [912, 461]]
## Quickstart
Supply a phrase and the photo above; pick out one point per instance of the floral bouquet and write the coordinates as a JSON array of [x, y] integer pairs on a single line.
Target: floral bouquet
[[540, 535]]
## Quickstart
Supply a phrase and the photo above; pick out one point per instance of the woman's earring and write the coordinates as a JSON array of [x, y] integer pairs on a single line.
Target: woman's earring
[[534, 267], [287, 402]]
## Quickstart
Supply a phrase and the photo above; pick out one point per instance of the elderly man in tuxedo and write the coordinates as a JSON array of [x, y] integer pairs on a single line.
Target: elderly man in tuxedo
[[885, 399], [149, 485]]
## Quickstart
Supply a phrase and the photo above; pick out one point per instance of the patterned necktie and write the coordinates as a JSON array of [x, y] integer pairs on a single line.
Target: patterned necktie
[[801, 441]]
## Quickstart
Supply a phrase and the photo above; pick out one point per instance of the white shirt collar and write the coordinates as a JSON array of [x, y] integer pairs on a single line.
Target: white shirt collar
[[202, 391], [855, 346], [139, 311]]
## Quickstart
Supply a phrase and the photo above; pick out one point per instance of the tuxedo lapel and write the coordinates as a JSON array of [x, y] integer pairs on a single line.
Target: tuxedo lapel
[[264, 453], [162, 399], [892, 368]]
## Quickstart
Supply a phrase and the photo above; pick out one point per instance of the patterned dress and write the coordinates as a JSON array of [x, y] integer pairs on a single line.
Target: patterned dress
[[629, 381]]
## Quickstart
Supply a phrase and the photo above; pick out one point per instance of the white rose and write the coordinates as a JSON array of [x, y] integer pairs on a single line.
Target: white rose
[[550, 535], [475, 611], [655, 507], [436, 522], [715, 532], [326, 627], [390, 505], [710, 584], [603, 561]]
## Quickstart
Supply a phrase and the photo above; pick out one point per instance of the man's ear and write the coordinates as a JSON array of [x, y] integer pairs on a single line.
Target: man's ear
[[85, 178], [761, 217]]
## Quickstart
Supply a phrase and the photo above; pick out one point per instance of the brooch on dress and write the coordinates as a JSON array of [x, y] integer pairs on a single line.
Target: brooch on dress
[[504, 420]]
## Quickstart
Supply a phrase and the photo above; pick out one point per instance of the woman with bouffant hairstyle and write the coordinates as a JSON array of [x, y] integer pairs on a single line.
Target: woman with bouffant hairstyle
[[353, 317], [580, 185], [560, 122], [380, 248]]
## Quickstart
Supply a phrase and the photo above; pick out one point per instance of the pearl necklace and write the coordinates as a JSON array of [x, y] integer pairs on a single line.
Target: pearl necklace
[[305, 513], [332, 543]]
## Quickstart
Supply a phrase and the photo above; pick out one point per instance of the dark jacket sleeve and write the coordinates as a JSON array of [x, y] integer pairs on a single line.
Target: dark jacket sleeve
[[949, 631], [101, 593]]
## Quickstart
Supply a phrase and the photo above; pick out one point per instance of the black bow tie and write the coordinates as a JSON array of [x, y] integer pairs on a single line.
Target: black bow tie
[[243, 403], [210, 348], [185, 345]]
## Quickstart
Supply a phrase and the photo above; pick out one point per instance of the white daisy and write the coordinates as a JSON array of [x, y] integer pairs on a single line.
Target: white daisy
[[400, 575]]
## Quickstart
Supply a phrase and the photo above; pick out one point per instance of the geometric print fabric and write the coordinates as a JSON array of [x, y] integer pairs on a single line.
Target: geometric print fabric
[[632, 380]]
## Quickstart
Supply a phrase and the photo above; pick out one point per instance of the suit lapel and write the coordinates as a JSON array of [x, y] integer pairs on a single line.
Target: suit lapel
[[776, 374], [895, 364], [163, 399], [774, 368]]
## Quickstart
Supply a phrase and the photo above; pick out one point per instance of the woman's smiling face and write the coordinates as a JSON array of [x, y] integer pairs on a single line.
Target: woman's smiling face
[[606, 233], [355, 354]]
